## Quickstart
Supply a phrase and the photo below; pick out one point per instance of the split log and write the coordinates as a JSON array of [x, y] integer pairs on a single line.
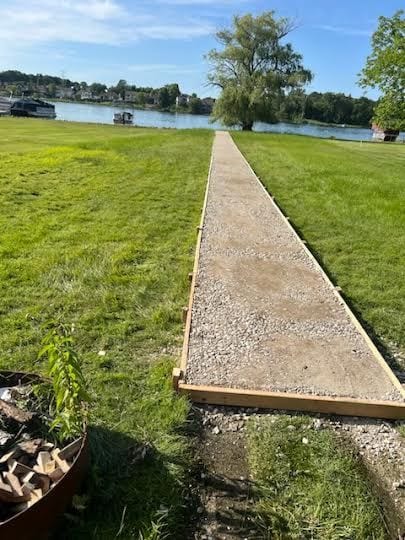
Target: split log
[[13, 454], [56, 474], [11, 412], [19, 493], [32, 446], [64, 466], [45, 462]]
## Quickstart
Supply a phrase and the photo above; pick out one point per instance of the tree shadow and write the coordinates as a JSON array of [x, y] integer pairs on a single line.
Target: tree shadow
[[129, 487]]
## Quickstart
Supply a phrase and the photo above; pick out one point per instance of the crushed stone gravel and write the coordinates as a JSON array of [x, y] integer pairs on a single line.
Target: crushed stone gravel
[[263, 315]]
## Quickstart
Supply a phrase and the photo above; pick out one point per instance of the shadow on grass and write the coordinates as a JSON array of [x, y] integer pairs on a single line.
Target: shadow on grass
[[131, 491]]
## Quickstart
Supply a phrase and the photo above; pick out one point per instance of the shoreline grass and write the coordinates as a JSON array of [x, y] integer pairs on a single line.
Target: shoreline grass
[[98, 227]]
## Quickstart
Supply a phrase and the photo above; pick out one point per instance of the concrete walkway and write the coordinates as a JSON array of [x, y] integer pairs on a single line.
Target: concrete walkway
[[264, 317]]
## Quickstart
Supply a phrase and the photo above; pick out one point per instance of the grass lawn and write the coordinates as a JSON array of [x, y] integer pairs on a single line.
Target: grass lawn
[[97, 225], [309, 486], [347, 200]]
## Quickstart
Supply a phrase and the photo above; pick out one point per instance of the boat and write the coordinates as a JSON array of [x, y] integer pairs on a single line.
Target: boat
[[384, 134], [123, 118], [34, 108], [5, 105]]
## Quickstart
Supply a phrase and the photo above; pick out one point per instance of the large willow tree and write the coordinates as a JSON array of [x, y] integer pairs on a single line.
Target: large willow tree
[[254, 69]]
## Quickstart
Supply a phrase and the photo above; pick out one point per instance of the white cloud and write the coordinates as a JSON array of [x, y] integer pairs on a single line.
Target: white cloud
[[26, 22], [344, 30]]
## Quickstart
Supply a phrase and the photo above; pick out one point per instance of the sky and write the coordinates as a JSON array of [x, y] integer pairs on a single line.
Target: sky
[[156, 42]]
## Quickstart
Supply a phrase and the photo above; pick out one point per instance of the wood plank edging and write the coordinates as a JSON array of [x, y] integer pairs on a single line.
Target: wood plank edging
[[238, 397], [336, 290], [200, 228]]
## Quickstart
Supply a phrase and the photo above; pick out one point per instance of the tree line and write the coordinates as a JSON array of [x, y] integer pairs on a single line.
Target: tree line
[[297, 106], [328, 107]]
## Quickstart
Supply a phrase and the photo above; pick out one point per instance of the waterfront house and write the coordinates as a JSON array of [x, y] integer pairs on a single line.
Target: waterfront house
[[182, 100]]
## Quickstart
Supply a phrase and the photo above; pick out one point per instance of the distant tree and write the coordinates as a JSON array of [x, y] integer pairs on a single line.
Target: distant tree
[[293, 106], [195, 105], [98, 88], [51, 89], [174, 92], [254, 69], [121, 87], [385, 70], [164, 97], [362, 112]]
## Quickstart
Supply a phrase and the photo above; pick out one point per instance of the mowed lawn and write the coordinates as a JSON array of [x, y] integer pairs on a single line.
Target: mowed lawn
[[97, 226], [348, 200]]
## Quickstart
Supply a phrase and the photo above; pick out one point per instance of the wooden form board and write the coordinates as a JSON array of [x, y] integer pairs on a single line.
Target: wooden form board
[[239, 397], [187, 329]]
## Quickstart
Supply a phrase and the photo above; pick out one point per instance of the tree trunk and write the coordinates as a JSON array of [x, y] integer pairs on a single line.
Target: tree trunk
[[247, 126]]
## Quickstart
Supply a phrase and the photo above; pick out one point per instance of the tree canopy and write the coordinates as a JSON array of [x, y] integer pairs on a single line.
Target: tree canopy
[[385, 70], [254, 69]]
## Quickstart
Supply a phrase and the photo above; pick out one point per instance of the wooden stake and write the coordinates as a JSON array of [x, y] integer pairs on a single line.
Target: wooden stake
[[176, 376], [184, 314]]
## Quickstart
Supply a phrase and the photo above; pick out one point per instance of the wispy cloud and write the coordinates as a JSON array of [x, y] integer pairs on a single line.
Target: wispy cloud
[[26, 22], [346, 30]]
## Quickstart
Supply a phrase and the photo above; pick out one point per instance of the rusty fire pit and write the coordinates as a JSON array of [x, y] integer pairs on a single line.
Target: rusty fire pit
[[38, 520]]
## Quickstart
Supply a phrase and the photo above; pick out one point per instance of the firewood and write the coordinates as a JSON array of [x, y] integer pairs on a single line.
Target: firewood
[[31, 447], [43, 459], [56, 474], [14, 453], [33, 477], [69, 451], [19, 493], [11, 412], [60, 462], [6, 493], [35, 496], [18, 468]]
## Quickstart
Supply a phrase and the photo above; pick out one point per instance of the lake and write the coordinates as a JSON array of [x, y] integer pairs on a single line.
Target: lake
[[84, 112]]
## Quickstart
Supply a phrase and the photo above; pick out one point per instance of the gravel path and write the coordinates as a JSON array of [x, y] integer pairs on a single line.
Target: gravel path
[[263, 315]]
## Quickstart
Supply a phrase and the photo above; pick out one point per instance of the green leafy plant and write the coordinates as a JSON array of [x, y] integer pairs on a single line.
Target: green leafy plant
[[68, 382]]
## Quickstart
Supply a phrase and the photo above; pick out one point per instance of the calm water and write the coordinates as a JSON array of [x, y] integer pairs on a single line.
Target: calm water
[[82, 112]]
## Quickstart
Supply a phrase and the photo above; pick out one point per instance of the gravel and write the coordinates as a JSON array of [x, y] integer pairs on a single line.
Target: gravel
[[263, 315]]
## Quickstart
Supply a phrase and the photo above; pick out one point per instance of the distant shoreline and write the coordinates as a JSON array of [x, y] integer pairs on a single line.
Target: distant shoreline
[[123, 104]]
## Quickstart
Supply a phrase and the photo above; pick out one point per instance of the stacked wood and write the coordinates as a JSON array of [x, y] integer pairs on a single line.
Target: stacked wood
[[30, 469]]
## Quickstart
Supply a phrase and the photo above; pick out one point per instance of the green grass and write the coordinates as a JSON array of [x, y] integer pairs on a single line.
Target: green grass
[[98, 227], [347, 200], [309, 486]]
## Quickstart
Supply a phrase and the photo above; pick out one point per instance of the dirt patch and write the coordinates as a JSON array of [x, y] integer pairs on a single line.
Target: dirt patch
[[226, 494]]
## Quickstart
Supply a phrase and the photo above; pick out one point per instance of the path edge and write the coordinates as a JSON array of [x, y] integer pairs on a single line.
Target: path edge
[[216, 395], [336, 290], [180, 370]]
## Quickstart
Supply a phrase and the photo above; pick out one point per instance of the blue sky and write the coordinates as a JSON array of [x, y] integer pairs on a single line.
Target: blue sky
[[154, 42]]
